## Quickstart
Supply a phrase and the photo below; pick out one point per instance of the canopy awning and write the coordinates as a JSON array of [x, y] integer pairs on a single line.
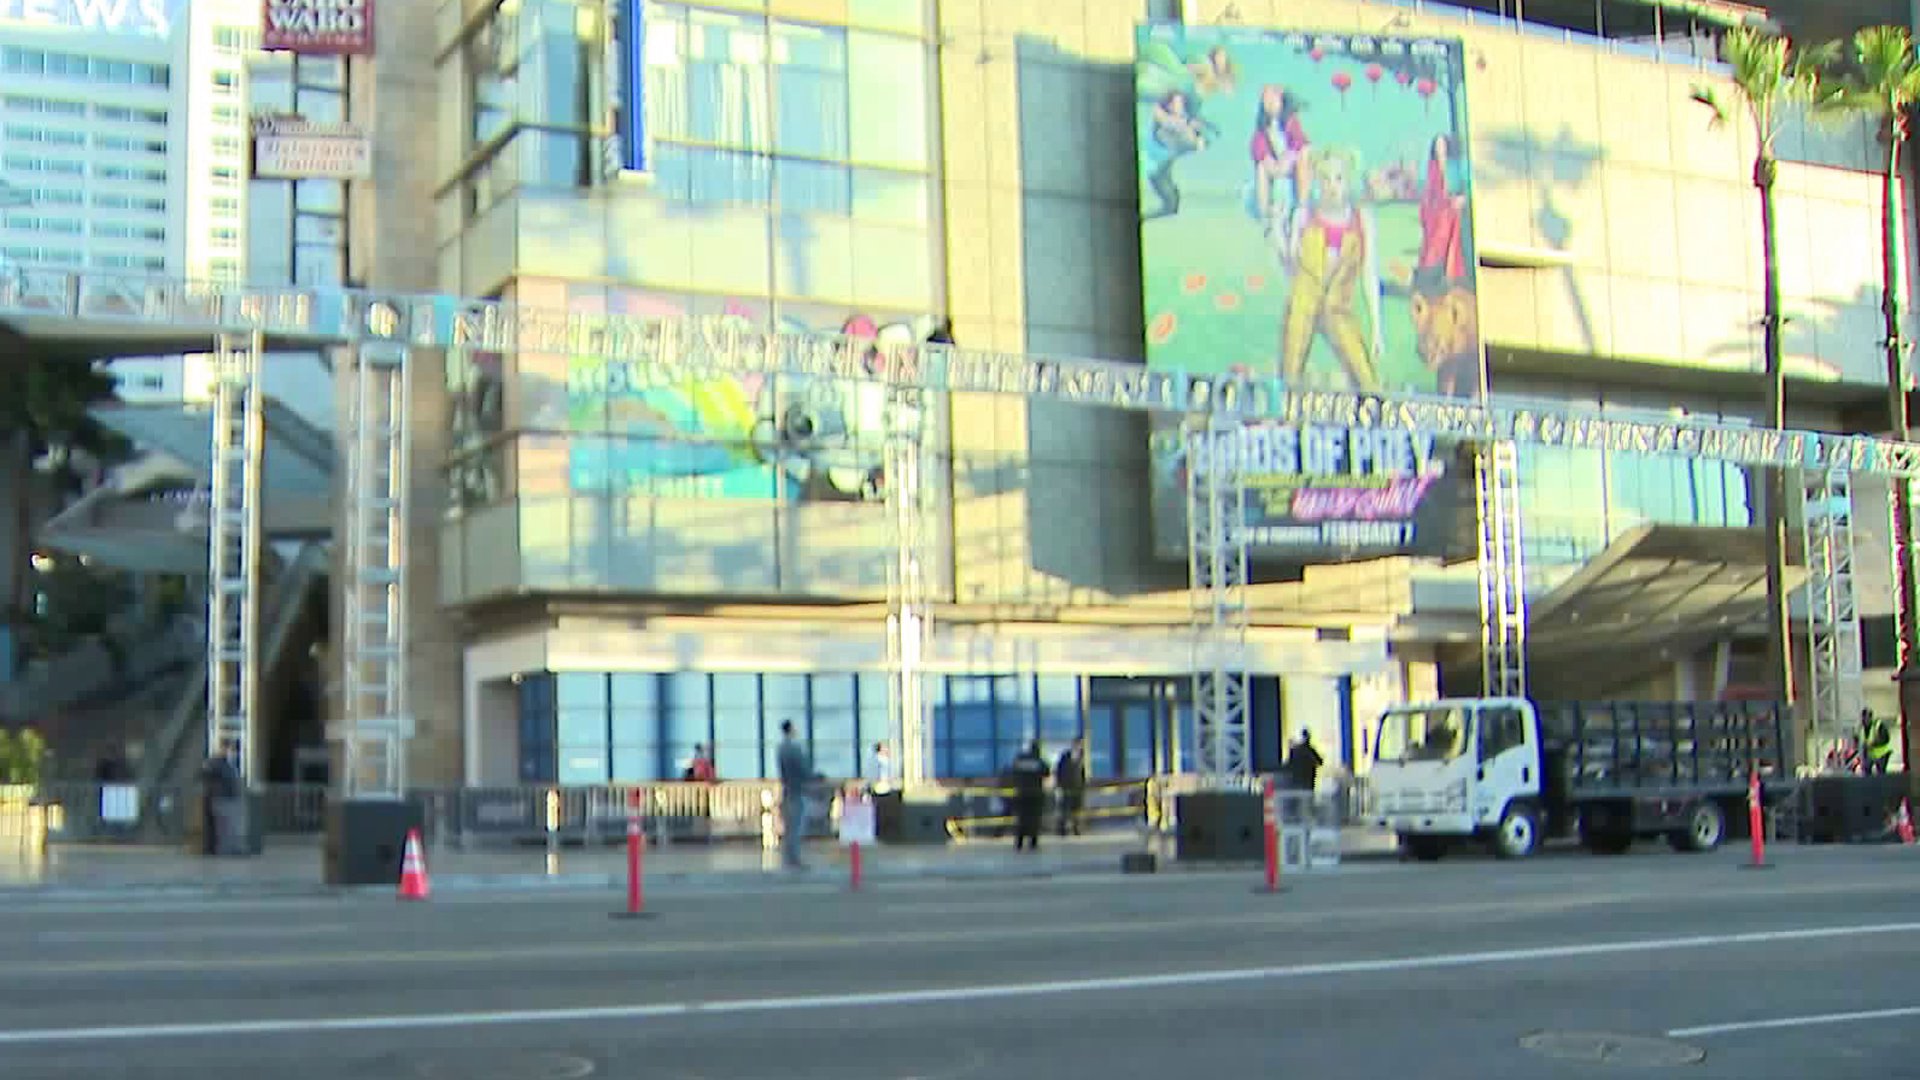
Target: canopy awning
[[1656, 594]]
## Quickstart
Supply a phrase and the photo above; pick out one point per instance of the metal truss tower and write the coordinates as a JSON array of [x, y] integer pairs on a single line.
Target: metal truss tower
[[376, 722], [1217, 572], [1833, 615], [909, 607], [1503, 579], [234, 550]]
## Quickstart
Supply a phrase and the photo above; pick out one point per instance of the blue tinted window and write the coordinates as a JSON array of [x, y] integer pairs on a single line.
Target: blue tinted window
[[810, 73], [973, 760], [581, 690], [814, 187], [582, 727], [1059, 702], [632, 727], [583, 765], [633, 690], [727, 90], [634, 764]]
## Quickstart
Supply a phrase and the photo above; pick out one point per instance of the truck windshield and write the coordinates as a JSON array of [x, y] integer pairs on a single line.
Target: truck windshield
[[1422, 735]]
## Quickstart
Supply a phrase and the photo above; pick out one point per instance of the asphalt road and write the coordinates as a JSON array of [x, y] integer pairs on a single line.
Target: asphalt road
[[1564, 967]]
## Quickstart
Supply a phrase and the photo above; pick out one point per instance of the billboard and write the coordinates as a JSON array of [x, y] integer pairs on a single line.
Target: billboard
[[621, 429], [1306, 215], [287, 147], [317, 27]]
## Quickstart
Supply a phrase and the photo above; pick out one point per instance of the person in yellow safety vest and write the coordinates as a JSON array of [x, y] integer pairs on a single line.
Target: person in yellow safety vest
[[1877, 739]]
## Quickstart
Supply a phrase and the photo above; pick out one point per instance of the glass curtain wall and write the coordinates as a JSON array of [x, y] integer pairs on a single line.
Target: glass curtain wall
[[1576, 502], [597, 727]]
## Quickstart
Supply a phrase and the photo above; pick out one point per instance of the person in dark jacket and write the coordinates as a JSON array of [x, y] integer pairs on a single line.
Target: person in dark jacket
[[1027, 775], [1070, 780], [1303, 763]]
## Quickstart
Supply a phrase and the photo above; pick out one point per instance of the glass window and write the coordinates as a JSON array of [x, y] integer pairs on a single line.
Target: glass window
[[810, 90], [834, 732], [833, 691], [686, 718], [814, 187], [634, 727], [635, 690], [1013, 709], [887, 91], [893, 197], [729, 177], [876, 716], [1058, 699], [666, 74], [635, 763], [973, 761], [582, 765], [785, 698], [727, 95], [580, 690], [583, 727], [906, 16]]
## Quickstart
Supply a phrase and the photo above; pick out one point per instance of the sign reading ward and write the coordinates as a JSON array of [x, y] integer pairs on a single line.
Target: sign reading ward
[[317, 27]]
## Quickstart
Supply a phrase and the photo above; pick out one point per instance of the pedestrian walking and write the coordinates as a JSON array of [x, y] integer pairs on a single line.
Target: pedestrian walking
[[1070, 781], [1028, 777], [796, 773], [881, 772], [1303, 763]]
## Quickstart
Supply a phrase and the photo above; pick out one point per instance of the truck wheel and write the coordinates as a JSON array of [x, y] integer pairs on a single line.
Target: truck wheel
[[1424, 848], [1519, 833], [1706, 827]]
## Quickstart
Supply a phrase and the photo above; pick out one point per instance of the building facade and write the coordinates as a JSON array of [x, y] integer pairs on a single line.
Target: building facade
[[622, 569]]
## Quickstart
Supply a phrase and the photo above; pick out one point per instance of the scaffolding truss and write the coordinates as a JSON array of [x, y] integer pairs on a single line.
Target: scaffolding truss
[[1836, 695], [376, 722], [234, 551], [1502, 572], [1217, 576], [909, 597]]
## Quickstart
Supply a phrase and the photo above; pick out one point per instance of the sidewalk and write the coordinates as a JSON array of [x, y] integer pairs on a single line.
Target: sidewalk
[[292, 867]]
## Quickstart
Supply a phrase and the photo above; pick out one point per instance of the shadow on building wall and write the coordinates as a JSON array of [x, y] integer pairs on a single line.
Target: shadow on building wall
[[1552, 169], [1087, 480]]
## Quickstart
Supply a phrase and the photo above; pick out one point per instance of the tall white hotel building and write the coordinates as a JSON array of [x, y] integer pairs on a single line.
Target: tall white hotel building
[[124, 132]]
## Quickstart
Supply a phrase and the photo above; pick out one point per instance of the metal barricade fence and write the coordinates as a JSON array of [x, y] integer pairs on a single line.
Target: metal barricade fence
[[982, 812]]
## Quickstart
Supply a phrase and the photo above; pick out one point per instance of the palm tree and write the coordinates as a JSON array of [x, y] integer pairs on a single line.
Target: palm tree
[[1885, 84], [1770, 79]]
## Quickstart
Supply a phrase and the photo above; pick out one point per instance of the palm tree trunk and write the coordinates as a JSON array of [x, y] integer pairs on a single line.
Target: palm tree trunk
[[1779, 644], [1907, 598]]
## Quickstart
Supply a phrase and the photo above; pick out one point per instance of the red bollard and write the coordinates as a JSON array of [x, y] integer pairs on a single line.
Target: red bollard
[[853, 866], [1270, 822], [636, 846], [1756, 823]]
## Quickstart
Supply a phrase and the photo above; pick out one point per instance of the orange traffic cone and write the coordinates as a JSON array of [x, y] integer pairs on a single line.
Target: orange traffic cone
[[413, 870], [1904, 823]]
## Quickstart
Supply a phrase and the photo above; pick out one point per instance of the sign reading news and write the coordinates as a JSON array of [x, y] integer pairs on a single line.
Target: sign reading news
[[145, 18], [317, 27], [1325, 489]]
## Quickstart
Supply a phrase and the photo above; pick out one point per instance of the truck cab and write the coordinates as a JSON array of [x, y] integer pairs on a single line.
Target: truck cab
[[1457, 770]]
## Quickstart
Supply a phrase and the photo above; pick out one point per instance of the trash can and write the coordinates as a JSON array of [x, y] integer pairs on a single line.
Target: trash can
[[366, 839]]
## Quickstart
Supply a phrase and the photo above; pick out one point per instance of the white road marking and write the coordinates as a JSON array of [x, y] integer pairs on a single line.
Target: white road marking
[[1785, 1022], [938, 995], [181, 933]]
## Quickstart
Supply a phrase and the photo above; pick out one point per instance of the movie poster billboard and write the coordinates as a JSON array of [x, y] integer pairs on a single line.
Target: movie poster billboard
[[625, 430], [1306, 215]]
